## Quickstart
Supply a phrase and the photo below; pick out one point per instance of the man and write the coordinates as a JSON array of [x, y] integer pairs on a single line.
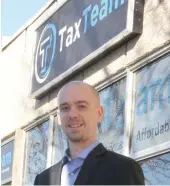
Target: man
[[87, 162]]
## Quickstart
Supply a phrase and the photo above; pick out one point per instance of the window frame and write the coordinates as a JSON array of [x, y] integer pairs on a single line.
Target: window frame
[[147, 60], [32, 125]]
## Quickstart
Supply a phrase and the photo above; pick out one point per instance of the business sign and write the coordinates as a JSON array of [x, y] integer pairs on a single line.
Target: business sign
[[152, 112], [79, 32], [7, 152]]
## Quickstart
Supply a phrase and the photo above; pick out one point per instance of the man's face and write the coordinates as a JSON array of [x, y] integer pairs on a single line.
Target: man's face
[[79, 112]]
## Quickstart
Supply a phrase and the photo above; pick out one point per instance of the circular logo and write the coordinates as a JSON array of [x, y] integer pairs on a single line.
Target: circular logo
[[45, 53]]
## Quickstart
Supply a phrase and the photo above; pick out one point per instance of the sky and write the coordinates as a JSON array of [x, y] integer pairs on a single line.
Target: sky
[[15, 13]]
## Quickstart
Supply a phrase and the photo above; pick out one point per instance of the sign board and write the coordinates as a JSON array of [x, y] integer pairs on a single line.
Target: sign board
[[7, 152], [77, 33]]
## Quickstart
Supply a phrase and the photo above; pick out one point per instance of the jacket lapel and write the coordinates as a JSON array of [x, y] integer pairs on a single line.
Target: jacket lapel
[[55, 174], [90, 162]]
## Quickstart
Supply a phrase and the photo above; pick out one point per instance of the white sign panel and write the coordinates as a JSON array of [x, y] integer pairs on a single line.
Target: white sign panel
[[152, 112]]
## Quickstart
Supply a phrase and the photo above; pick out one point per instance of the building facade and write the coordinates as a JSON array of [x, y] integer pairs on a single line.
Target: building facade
[[122, 48]]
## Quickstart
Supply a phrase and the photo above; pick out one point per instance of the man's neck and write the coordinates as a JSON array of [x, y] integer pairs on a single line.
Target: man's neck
[[77, 147]]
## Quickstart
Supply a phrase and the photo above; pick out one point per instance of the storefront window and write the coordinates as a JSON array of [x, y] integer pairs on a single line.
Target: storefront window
[[60, 142], [7, 154], [36, 149], [152, 111], [111, 128], [157, 170]]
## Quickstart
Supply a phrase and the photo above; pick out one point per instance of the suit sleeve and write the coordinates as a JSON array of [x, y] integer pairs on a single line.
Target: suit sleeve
[[36, 180], [137, 176]]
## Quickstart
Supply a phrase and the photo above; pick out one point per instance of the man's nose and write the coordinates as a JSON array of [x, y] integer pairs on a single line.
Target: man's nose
[[73, 113]]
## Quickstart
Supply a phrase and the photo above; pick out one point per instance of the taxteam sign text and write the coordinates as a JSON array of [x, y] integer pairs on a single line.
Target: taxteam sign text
[[77, 33]]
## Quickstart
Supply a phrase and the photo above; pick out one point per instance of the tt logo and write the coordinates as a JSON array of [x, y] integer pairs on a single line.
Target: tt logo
[[45, 53]]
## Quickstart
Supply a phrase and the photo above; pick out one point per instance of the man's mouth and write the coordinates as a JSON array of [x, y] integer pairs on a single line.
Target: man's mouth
[[75, 125]]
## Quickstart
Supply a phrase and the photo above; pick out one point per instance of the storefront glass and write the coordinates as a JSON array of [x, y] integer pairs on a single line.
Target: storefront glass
[[36, 151], [152, 109], [7, 155], [157, 170], [111, 128], [60, 142]]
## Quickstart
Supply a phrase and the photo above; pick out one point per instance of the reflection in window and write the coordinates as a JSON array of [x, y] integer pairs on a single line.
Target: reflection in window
[[37, 146], [157, 170], [60, 142], [111, 128]]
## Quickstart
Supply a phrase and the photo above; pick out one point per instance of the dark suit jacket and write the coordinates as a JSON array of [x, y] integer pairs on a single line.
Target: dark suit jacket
[[101, 167]]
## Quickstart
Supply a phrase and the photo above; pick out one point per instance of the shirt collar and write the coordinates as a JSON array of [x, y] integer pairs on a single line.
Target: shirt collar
[[83, 154]]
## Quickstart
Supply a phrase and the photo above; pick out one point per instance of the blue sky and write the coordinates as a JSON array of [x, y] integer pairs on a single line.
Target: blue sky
[[16, 13]]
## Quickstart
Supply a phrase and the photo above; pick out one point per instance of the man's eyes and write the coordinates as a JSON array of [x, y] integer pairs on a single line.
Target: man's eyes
[[66, 108], [82, 106]]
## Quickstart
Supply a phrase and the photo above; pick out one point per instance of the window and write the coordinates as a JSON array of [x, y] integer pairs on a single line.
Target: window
[[157, 170], [7, 155], [111, 128], [60, 142], [152, 109], [36, 151]]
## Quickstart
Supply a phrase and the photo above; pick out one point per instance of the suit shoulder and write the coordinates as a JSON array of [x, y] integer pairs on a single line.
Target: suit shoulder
[[123, 162], [119, 158], [126, 167], [48, 170]]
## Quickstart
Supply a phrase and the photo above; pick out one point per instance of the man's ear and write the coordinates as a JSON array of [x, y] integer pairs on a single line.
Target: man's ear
[[100, 113]]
